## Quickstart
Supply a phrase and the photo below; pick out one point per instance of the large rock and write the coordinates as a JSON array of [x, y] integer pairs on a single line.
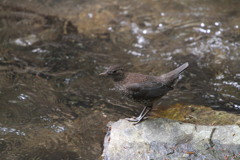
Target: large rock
[[163, 139]]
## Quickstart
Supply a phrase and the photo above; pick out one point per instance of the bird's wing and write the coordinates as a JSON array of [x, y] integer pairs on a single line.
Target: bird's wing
[[147, 90]]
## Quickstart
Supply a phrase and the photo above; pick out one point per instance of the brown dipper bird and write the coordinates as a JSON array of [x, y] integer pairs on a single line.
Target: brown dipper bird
[[143, 88]]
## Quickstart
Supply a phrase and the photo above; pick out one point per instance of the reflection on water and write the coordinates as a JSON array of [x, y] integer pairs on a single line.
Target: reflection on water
[[5, 131], [53, 104]]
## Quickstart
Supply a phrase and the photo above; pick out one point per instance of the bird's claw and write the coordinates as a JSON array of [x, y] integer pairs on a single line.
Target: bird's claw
[[133, 119], [136, 119]]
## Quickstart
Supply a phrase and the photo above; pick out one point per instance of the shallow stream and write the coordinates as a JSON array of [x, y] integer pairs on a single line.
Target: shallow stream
[[53, 104]]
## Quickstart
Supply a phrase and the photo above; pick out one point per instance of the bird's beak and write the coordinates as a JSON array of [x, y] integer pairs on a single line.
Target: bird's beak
[[103, 74]]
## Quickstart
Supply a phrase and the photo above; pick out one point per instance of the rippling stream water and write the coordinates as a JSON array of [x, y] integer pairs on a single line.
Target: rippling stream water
[[53, 104]]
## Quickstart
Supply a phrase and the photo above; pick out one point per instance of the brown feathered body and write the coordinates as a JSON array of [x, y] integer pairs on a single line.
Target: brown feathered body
[[142, 88]]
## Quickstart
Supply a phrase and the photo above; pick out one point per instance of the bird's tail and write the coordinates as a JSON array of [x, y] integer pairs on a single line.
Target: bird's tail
[[171, 76], [179, 69]]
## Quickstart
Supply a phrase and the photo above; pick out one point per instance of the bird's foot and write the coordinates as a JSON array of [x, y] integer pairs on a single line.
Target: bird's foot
[[136, 119], [133, 119]]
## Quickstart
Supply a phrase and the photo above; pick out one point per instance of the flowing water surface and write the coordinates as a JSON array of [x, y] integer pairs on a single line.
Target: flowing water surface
[[53, 104]]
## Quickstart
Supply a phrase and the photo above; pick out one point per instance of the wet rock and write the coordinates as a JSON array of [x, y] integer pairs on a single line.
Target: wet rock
[[196, 114], [160, 138]]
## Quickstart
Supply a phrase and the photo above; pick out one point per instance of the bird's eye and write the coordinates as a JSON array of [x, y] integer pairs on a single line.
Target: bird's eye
[[114, 72]]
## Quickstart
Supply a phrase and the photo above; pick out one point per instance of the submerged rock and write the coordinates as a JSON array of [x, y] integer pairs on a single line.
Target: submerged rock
[[159, 139]]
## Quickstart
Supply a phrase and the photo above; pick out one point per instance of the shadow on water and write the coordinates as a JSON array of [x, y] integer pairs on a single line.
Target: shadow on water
[[53, 104]]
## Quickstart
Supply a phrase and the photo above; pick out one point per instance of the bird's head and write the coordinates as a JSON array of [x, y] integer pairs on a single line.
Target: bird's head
[[116, 72]]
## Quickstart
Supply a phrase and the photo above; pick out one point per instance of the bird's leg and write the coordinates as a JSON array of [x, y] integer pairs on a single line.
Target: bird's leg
[[141, 116], [135, 119], [143, 111]]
